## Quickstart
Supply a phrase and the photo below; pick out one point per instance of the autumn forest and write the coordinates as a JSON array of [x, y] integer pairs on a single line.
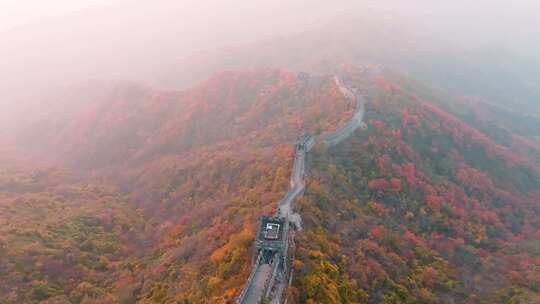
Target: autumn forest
[[127, 191]]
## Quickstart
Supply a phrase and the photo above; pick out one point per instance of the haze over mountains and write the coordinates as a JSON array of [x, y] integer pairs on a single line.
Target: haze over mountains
[[134, 40], [140, 40], [140, 143]]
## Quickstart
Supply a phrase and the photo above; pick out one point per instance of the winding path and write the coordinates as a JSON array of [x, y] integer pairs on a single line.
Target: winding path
[[354, 123]]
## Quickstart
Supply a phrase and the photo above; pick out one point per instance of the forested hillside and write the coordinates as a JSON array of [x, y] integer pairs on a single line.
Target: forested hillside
[[173, 181], [423, 207], [130, 194], [61, 238], [233, 152]]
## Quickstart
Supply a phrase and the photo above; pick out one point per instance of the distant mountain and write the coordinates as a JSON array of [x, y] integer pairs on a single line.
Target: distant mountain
[[495, 72], [178, 44], [137, 40], [128, 123]]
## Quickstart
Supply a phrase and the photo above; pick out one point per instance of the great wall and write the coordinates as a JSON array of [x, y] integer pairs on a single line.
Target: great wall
[[271, 272]]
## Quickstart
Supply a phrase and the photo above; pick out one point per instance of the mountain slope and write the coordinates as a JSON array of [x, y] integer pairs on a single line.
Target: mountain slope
[[420, 208], [62, 238], [199, 165]]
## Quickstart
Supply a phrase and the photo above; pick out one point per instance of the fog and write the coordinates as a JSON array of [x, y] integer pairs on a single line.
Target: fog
[[51, 43], [15, 13], [485, 21]]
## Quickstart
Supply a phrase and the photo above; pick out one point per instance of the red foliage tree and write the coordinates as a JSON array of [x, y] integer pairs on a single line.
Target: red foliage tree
[[434, 202], [395, 185], [379, 184]]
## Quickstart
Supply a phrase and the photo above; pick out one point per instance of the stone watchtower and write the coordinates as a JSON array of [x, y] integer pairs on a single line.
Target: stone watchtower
[[271, 237]]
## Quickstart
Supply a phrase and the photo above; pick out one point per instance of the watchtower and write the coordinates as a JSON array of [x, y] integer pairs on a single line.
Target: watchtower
[[271, 235]]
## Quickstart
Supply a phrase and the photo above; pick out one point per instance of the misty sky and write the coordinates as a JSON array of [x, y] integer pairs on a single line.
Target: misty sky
[[136, 39], [19, 12], [494, 20]]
